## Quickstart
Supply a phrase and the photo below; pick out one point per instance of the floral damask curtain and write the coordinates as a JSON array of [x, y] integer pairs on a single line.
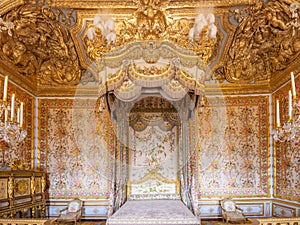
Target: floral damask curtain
[[188, 170], [119, 179]]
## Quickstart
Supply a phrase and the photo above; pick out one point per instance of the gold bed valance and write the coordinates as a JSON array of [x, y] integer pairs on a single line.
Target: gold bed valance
[[171, 70]]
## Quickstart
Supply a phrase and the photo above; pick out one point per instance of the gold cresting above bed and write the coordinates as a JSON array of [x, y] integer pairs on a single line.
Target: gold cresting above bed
[[150, 49], [153, 186]]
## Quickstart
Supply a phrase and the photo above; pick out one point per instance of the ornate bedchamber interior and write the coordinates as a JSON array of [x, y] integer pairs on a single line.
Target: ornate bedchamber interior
[[164, 105]]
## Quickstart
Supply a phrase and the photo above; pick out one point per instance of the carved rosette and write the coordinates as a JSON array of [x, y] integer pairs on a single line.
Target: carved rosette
[[40, 45], [264, 42]]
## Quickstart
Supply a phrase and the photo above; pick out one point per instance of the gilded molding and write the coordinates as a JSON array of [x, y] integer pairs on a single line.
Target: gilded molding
[[275, 221], [7, 5], [11, 187], [94, 4]]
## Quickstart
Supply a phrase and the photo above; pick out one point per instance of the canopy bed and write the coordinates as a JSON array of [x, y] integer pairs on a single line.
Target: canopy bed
[[162, 103], [148, 80]]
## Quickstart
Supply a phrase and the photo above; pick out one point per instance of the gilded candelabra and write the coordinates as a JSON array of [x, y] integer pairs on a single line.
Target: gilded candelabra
[[11, 123], [290, 130]]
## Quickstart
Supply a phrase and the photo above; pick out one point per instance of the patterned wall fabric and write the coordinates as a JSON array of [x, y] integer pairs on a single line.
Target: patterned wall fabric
[[232, 137], [76, 143], [286, 154], [229, 142]]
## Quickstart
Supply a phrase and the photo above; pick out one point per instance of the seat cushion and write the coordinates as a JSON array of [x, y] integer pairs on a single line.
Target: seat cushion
[[229, 206], [73, 206]]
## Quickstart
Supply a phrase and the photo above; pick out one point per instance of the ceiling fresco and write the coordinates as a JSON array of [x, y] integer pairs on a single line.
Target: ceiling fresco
[[63, 48]]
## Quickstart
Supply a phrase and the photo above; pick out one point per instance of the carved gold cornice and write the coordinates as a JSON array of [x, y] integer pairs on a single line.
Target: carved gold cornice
[[94, 4], [280, 79], [237, 89], [29, 84]]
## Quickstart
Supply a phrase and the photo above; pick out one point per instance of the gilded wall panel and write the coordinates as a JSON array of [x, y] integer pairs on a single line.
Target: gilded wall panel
[[286, 154], [76, 143], [22, 187], [232, 137], [3, 188]]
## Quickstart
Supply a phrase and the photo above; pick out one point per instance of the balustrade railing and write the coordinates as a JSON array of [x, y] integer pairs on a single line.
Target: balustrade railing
[[280, 221], [14, 221]]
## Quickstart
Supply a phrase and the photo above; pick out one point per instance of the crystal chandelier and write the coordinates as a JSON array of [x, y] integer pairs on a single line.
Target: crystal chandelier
[[290, 130], [11, 119]]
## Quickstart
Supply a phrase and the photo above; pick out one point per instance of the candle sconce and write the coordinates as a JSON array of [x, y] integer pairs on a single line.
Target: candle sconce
[[290, 130], [11, 119]]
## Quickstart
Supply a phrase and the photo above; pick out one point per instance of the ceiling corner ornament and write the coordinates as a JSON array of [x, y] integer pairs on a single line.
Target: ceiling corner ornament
[[40, 46], [151, 49], [265, 41]]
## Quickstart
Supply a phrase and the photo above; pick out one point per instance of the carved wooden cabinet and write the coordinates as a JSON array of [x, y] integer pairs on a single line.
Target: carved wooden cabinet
[[22, 193]]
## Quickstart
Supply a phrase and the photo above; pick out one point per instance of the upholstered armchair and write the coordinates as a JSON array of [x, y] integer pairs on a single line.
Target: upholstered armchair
[[72, 213], [230, 212]]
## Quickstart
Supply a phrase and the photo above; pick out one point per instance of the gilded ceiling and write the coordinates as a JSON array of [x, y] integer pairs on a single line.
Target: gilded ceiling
[[56, 47]]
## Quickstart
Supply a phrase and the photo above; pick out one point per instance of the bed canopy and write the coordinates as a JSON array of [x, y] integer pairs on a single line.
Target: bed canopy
[[151, 68], [163, 83]]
